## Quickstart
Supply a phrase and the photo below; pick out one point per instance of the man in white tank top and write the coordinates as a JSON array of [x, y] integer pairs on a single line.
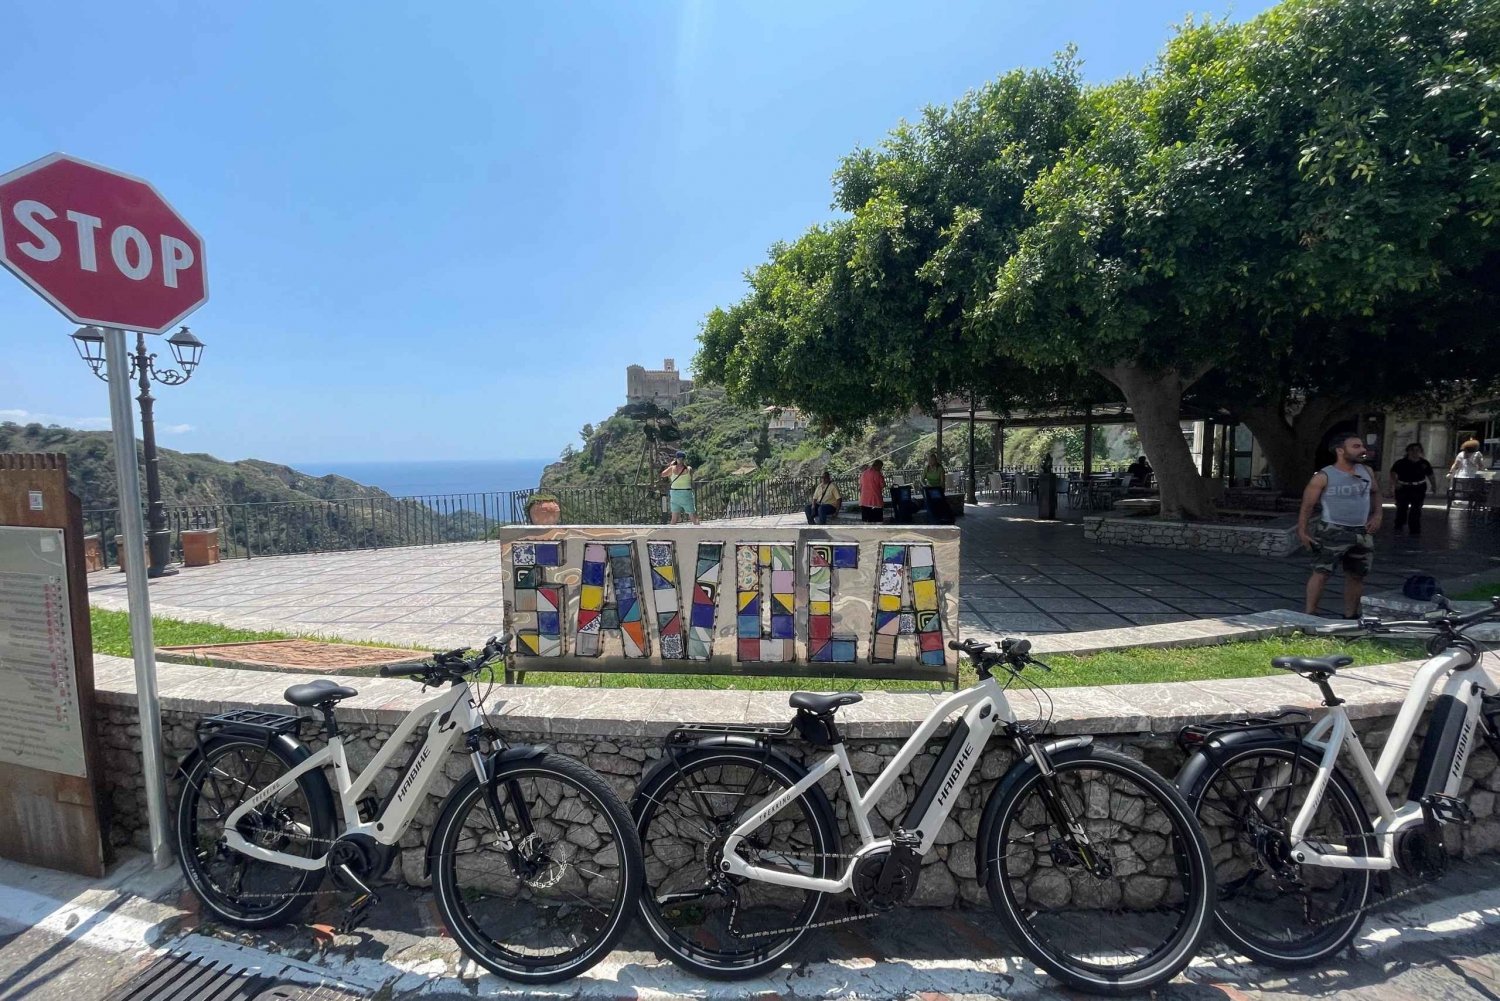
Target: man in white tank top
[[1348, 496]]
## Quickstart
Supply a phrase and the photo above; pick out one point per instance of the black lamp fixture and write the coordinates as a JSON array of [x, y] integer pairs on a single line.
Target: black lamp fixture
[[187, 351]]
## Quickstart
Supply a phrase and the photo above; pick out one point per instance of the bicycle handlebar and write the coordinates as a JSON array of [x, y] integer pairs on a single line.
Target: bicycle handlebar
[[451, 665], [1014, 652], [1430, 621]]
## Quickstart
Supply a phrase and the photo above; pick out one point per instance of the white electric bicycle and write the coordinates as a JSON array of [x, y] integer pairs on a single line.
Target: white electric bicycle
[[1298, 852], [1092, 861], [533, 858]]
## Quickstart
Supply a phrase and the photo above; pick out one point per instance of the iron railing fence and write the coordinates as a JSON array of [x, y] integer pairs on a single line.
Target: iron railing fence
[[280, 528]]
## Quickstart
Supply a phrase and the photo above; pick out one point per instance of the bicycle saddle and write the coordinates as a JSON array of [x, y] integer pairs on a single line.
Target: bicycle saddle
[[1313, 665], [316, 692], [823, 702]]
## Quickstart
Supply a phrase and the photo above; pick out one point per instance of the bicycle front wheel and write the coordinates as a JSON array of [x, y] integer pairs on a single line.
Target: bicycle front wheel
[[1122, 912], [546, 895]]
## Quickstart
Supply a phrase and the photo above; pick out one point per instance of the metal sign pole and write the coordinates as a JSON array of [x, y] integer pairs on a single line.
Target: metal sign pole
[[142, 643]]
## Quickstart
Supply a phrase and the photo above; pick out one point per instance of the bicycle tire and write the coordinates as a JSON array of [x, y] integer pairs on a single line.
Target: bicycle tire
[[571, 879], [197, 848], [701, 954], [1237, 909], [1183, 849]]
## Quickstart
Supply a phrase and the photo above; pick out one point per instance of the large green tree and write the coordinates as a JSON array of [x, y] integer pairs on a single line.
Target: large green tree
[[1299, 208], [869, 316]]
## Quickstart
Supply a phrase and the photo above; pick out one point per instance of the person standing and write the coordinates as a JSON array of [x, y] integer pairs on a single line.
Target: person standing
[[825, 501], [934, 481], [1348, 496], [679, 477], [1468, 462], [872, 492], [1411, 475]]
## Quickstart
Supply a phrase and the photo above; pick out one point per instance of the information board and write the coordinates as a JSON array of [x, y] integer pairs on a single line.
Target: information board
[[39, 711]]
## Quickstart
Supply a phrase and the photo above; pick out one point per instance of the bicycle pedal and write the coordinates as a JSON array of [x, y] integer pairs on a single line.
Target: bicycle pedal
[[355, 915], [1447, 809]]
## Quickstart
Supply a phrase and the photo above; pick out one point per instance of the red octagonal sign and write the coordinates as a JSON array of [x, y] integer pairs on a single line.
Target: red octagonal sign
[[103, 247]]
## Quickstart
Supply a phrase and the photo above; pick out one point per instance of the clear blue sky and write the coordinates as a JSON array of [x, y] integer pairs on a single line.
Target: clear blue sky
[[443, 230]]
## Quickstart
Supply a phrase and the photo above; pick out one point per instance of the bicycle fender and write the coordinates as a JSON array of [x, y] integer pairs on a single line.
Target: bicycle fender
[[299, 753], [1205, 759], [705, 743], [1065, 747], [815, 794]]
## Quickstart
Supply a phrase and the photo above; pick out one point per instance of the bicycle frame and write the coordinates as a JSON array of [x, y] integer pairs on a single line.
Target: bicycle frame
[[1466, 685], [985, 708], [456, 716]]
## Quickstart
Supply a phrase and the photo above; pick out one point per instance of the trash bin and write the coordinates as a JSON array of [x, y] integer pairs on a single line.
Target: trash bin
[[1046, 496], [93, 553], [200, 547], [902, 508]]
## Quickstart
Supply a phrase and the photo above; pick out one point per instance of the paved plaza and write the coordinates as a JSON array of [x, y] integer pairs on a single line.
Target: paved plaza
[[1019, 575]]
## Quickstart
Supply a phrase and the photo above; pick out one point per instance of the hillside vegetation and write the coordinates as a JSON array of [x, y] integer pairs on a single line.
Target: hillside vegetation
[[186, 477]]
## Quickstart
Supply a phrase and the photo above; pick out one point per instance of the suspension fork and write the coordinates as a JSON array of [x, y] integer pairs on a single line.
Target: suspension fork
[[493, 802], [1056, 806]]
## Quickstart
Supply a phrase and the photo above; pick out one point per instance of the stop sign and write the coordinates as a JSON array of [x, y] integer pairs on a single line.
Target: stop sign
[[103, 247]]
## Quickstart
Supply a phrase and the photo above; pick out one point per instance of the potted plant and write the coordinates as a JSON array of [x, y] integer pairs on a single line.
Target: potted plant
[[542, 508]]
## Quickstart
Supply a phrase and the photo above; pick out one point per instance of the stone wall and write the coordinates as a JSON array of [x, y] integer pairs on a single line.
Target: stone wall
[[619, 734], [1276, 539]]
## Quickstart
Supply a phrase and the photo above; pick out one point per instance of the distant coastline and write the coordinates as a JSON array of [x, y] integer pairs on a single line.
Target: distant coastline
[[436, 476]]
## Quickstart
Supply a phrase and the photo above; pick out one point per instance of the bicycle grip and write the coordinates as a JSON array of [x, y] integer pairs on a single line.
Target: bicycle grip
[[402, 670]]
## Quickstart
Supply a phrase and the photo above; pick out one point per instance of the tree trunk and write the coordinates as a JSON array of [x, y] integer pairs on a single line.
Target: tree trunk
[[1291, 445], [1155, 398]]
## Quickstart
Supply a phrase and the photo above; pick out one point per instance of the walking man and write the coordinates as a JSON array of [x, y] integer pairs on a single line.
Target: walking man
[[1410, 477], [679, 477], [1349, 497]]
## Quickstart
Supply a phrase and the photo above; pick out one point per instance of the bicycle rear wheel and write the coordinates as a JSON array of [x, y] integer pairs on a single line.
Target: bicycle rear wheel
[[706, 921], [555, 905], [234, 887], [1134, 918], [1270, 908]]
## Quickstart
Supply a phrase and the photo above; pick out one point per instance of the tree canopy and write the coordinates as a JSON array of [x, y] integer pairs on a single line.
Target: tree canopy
[[1282, 218]]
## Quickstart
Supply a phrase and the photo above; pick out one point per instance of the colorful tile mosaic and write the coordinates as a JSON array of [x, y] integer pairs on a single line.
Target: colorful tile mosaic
[[907, 603], [752, 641], [662, 558], [539, 601], [700, 645], [610, 600], [823, 645]]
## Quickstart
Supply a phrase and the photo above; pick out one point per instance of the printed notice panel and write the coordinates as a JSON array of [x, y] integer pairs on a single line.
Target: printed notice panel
[[39, 724]]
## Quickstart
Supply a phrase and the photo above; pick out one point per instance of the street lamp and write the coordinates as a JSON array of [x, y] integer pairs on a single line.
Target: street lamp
[[186, 351]]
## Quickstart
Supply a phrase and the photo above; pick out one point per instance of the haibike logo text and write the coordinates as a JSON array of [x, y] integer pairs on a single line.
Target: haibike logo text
[[952, 780], [416, 770], [1461, 752]]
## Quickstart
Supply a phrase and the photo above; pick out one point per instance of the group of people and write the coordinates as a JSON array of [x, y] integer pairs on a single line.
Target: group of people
[[826, 500], [1346, 495]]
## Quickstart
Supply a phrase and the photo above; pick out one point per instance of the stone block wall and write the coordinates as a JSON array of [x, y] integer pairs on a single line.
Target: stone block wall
[[1274, 540], [948, 877]]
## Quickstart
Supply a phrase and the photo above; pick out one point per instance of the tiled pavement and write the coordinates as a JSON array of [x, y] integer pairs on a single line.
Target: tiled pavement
[[1018, 575]]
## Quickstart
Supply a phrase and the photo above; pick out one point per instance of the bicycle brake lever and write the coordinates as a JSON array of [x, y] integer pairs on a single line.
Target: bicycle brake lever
[[1033, 660]]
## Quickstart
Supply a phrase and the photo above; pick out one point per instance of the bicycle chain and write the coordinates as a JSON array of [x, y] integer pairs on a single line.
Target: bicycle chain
[[734, 905]]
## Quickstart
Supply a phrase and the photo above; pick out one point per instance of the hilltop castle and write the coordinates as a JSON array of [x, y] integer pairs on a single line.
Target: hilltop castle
[[664, 387]]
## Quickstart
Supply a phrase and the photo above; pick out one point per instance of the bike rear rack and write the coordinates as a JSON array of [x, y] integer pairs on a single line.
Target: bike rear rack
[[1196, 735], [251, 723], [689, 733]]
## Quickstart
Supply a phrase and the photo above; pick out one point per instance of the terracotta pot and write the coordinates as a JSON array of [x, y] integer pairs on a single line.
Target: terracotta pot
[[545, 513]]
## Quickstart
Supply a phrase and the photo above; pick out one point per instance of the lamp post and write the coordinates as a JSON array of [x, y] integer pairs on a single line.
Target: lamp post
[[186, 351]]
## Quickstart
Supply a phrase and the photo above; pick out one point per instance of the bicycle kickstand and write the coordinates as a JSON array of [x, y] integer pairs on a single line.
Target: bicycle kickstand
[[361, 904]]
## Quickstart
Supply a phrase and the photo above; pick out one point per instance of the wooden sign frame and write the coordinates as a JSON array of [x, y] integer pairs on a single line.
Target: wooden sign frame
[[49, 818]]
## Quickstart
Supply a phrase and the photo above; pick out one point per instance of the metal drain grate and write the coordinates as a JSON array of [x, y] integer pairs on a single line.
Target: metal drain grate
[[182, 977]]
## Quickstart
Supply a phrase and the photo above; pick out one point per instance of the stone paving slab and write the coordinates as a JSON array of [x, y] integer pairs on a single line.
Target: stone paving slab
[[66, 938]]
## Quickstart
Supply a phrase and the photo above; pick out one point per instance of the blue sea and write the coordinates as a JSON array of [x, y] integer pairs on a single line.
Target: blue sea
[[427, 476]]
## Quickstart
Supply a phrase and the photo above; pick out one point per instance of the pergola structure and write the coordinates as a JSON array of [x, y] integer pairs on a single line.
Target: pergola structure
[[958, 409]]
